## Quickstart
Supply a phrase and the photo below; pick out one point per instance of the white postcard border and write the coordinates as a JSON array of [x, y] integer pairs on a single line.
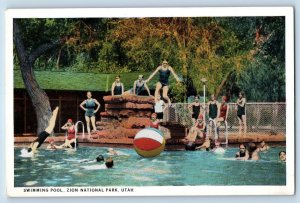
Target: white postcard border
[[154, 12]]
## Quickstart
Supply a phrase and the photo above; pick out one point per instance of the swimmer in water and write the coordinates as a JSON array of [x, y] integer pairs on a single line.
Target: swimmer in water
[[263, 146], [253, 151], [242, 154], [111, 151], [109, 162], [44, 134], [51, 145], [218, 148], [282, 156]]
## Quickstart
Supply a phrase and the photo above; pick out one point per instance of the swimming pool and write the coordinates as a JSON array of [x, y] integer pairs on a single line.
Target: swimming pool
[[171, 168]]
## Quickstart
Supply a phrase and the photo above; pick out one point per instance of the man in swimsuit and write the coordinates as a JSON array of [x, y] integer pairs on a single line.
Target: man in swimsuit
[[139, 85], [164, 71], [44, 134]]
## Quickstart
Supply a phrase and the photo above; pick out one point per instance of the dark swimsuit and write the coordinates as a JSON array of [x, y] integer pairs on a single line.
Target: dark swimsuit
[[196, 111], [42, 137], [139, 87], [164, 77], [118, 89], [241, 111], [89, 105], [213, 110], [241, 154]]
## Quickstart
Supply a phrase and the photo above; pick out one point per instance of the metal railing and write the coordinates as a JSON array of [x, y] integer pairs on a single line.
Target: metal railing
[[267, 118]]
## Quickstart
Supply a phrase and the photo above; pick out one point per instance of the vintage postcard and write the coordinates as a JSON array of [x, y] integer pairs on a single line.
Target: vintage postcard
[[150, 101]]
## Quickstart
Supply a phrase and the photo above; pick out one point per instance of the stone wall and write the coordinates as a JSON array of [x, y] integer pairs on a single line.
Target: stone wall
[[124, 116]]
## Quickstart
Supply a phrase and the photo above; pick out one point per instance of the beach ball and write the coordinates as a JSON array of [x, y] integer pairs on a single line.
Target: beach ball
[[149, 142]]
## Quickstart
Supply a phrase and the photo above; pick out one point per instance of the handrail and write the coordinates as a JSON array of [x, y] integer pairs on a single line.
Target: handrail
[[76, 130]]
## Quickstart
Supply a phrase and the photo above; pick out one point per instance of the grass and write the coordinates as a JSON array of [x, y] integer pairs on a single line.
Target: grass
[[52, 80]]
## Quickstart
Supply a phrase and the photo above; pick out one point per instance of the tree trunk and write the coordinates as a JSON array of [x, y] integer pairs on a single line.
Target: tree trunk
[[38, 97]]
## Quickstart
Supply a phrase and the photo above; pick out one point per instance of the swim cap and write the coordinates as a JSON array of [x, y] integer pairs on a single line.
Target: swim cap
[[70, 120], [224, 98], [99, 158]]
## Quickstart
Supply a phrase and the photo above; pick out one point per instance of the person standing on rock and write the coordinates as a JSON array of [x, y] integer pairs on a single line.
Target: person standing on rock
[[90, 111], [164, 71]]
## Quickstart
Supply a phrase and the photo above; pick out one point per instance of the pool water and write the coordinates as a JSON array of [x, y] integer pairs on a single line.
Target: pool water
[[171, 168]]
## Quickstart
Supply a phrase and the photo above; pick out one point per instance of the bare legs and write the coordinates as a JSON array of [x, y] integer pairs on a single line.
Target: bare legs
[[88, 121], [165, 92], [52, 120], [93, 120], [242, 124], [212, 127], [219, 120]]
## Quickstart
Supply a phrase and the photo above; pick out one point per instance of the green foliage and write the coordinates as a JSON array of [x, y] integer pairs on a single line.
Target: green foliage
[[233, 53], [178, 92]]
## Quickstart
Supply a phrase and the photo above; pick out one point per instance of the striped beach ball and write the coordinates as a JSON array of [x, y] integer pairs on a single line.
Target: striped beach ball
[[149, 142]]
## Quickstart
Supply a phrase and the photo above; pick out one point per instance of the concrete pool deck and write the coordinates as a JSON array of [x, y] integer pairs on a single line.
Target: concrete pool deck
[[232, 139]]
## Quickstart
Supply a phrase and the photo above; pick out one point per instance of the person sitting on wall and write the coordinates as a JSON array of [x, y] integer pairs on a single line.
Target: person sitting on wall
[[44, 134], [117, 87], [71, 139], [206, 144], [196, 131], [139, 85]]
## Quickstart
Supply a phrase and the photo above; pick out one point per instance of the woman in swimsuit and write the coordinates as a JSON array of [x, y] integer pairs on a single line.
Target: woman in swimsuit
[[44, 134], [213, 108], [117, 87], [222, 115], [195, 107], [164, 71], [240, 109], [90, 104]]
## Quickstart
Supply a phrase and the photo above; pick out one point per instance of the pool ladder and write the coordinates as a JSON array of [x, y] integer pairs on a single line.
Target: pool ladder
[[76, 131]]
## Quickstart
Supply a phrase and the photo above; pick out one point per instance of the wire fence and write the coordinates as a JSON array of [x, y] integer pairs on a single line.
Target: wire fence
[[267, 118]]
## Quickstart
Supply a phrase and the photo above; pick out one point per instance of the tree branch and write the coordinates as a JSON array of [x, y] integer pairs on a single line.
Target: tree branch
[[43, 48]]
